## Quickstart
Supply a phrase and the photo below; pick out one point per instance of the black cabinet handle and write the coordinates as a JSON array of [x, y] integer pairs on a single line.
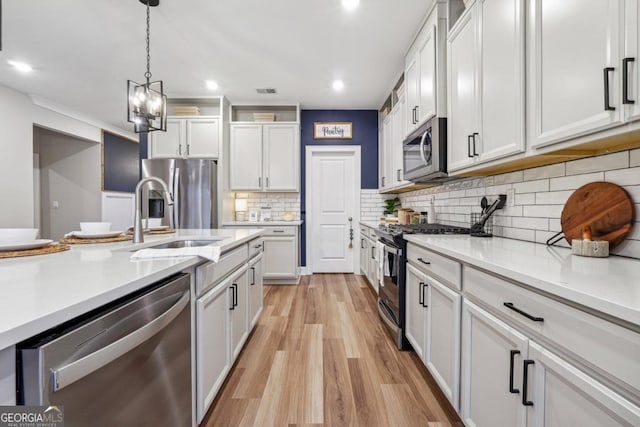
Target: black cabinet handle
[[278, 231], [473, 137], [511, 362], [233, 297], [383, 181], [424, 262], [361, 243], [415, 120], [469, 146], [510, 306], [398, 174], [525, 381], [421, 296], [417, 114], [424, 299], [253, 276], [373, 252], [625, 81], [607, 107]]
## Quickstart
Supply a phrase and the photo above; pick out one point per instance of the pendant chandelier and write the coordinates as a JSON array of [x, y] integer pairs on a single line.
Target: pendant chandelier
[[147, 102]]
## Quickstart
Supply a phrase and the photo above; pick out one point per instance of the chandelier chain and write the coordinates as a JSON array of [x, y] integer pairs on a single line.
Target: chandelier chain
[[148, 73]]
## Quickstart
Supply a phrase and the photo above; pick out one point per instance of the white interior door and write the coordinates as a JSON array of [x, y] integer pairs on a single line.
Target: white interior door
[[333, 195]]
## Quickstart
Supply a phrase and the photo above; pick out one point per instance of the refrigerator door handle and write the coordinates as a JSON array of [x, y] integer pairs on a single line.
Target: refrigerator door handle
[[176, 198]]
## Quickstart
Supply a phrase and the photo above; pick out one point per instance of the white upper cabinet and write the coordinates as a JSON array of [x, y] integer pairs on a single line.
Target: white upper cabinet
[[424, 65], [574, 56], [486, 83], [189, 138], [462, 119], [281, 158], [385, 161], [631, 62], [398, 131], [245, 158], [264, 157]]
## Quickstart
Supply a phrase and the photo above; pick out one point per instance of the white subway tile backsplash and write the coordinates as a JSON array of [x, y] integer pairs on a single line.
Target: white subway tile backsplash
[[605, 162], [543, 211], [540, 197], [525, 199], [553, 198], [634, 158], [530, 223], [550, 171], [532, 186], [629, 176], [574, 182]]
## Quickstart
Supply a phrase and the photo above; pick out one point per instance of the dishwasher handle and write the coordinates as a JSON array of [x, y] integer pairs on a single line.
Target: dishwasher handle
[[74, 371]]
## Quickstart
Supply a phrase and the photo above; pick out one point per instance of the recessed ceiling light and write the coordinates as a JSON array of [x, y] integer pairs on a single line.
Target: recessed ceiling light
[[21, 66], [338, 85], [350, 4], [212, 85]]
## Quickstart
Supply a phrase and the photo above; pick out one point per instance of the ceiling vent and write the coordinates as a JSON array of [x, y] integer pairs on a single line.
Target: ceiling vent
[[267, 91]]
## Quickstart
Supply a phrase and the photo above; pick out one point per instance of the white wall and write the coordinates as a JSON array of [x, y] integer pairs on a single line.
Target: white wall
[[18, 114], [16, 169], [68, 176]]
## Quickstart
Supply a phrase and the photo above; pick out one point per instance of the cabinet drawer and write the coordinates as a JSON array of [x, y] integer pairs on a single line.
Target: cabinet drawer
[[279, 231], [435, 265], [599, 344], [255, 247], [208, 274]]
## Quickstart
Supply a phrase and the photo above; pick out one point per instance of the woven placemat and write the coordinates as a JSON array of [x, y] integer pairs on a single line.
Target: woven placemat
[[77, 241], [49, 249], [165, 231]]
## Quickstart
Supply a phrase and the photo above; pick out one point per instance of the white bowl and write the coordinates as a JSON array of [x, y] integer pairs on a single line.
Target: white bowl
[[18, 235], [154, 222], [95, 227]]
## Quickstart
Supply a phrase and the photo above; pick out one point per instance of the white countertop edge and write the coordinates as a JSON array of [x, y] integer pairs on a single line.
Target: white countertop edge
[[40, 323], [564, 291], [370, 224], [262, 224]]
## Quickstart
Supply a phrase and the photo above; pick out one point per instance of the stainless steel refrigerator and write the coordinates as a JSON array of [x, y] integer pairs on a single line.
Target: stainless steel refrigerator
[[194, 186]]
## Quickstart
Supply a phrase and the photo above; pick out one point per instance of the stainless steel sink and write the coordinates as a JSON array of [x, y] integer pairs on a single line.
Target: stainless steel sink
[[184, 244]]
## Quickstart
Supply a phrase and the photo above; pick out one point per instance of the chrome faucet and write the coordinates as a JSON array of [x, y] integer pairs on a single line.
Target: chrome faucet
[[137, 221]]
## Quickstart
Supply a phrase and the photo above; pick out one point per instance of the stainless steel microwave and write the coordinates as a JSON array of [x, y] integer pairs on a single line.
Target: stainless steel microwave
[[424, 152]]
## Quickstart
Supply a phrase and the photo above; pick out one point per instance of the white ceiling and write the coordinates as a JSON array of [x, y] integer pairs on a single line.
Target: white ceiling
[[83, 51]]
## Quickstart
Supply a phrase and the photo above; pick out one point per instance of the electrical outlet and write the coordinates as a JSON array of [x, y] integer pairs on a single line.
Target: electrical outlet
[[511, 197]]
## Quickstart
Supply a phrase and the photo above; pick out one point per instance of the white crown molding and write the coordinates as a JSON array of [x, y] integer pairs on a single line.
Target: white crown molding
[[68, 112]]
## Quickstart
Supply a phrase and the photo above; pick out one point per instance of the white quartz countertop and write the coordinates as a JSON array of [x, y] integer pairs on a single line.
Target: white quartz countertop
[[609, 285], [40, 292], [370, 224], [261, 224]]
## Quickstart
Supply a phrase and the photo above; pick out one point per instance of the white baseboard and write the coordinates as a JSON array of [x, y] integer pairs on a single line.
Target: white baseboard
[[305, 271]]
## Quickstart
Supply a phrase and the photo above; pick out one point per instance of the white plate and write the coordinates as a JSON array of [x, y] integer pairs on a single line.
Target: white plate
[[159, 228], [81, 235], [23, 246]]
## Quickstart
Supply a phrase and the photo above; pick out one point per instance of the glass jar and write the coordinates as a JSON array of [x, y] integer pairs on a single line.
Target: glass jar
[[423, 217], [415, 218]]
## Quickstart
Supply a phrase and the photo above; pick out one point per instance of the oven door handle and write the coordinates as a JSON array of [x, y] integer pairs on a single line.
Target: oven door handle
[[391, 250], [422, 141], [74, 371], [383, 315]]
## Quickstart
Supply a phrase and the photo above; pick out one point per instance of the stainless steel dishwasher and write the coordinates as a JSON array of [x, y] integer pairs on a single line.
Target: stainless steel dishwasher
[[128, 364]]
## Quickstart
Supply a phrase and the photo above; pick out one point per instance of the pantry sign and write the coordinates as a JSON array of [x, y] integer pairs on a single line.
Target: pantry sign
[[332, 130]]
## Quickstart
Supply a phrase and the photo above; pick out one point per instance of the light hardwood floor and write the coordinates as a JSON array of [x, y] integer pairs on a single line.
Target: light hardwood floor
[[320, 356]]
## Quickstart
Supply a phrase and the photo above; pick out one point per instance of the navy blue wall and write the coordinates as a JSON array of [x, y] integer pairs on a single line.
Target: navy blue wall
[[144, 148], [365, 134]]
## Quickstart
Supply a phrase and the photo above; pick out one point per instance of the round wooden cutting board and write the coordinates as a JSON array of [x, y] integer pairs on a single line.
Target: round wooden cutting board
[[604, 207]]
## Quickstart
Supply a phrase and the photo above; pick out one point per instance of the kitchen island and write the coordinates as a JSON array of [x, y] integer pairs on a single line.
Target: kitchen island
[[41, 292]]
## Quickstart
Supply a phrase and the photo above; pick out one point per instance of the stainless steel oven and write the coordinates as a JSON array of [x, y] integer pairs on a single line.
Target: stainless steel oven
[[391, 290], [425, 152]]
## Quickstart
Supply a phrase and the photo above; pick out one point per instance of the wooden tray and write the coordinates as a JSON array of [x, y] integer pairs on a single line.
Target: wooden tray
[[165, 231], [51, 248], [604, 207], [77, 241]]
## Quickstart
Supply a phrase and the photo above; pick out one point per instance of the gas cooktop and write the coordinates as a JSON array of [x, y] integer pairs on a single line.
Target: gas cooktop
[[398, 229]]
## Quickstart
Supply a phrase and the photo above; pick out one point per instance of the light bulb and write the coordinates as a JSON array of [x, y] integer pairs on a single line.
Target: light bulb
[[350, 4], [338, 85]]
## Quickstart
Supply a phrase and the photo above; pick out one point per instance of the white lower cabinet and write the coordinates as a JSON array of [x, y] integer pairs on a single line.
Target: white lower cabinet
[[561, 395], [213, 356], [238, 300], [491, 385], [508, 379], [433, 329], [281, 257], [255, 290]]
